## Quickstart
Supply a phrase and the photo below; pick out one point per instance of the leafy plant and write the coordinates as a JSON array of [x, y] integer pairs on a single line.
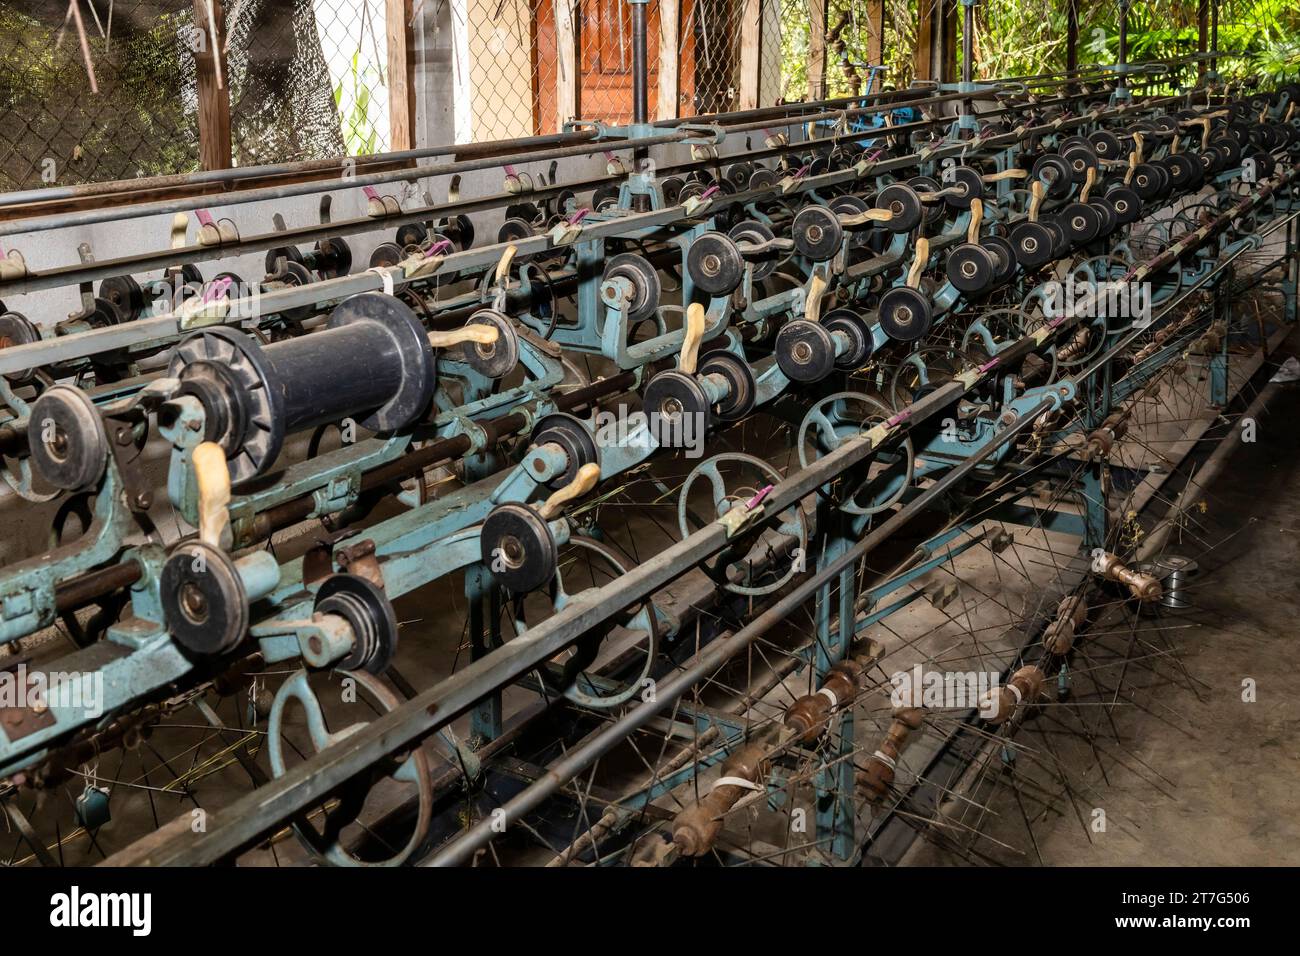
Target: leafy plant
[[1026, 37], [360, 134]]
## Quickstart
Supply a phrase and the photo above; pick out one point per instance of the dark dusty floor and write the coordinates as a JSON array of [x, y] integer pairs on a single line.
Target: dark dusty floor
[[1198, 776]]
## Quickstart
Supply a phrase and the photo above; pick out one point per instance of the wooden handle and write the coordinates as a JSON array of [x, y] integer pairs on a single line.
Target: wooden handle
[[478, 334], [1132, 168], [694, 336], [1137, 143], [976, 217], [213, 477], [180, 227], [1088, 180], [585, 480], [503, 265], [812, 302], [1036, 193], [1006, 174], [1204, 124], [919, 261], [871, 215]]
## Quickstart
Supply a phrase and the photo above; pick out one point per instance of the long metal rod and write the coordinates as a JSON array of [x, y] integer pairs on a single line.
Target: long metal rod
[[270, 193], [190, 203], [219, 177], [164, 327], [306, 784], [1132, 336], [640, 80], [579, 758]]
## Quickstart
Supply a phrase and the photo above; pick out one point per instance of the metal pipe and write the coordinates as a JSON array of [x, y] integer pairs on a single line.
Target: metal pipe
[[188, 204], [968, 42], [1123, 41], [1214, 33], [640, 82], [220, 177], [162, 328]]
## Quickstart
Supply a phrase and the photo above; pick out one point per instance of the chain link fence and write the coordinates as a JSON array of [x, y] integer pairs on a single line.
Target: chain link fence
[[142, 120], [524, 67], [308, 79], [305, 80], [115, 96]]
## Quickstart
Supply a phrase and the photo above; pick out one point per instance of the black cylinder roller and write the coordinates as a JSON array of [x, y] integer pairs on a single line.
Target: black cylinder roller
[[372, 361]]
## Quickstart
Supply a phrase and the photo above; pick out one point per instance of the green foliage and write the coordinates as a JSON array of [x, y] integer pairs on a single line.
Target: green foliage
[[1027, 37], [360, 134], [140, 123]]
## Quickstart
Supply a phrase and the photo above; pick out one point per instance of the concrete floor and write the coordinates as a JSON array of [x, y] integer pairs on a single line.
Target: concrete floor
[[1189, 773]]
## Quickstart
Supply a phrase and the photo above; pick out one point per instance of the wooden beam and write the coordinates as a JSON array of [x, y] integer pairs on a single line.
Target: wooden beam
[[921, 61], [875, 32], [948, 61], [670, 26], [816, 49], [214, 97], [751, 46], [401, 74], [567, 81]]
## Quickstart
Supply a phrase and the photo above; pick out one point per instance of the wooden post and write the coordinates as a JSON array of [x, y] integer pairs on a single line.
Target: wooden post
[[924, 39], [401, 74], [751, 46], [670, 25], [567, 82], [948, 61], [875, 32], [214, 100], [816, 49]]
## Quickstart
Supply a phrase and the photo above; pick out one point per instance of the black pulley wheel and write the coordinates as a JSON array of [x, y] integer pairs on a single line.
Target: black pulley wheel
[[714, 264], [66, 438], [805, 351], [369, 614], [204, 602], [905, 314]]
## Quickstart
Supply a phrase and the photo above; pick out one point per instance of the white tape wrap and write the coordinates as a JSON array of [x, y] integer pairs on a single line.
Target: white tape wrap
[[830, 695], [385, 276], [736, 782], [884, 758]]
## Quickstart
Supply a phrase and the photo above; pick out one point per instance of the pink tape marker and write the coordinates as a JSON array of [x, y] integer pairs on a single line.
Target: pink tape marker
[[757, 500], [217, 289]]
